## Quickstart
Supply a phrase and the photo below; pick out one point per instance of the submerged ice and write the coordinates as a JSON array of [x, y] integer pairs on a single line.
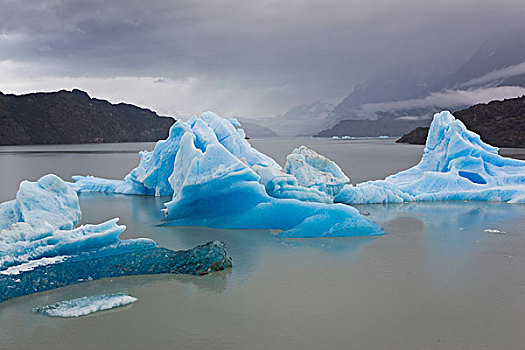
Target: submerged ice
[[85, 305], [217, 179], [42, 248], [456, 165]]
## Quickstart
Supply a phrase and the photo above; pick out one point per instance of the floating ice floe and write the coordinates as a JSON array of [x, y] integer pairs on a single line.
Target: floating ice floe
[[456, 165], [85, 305], [218, 180], [492, 230], [41, 248]]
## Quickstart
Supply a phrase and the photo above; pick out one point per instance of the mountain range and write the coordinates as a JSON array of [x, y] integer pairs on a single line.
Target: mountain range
[[391, 103], [68, 117], [301, 120], [402, 98]]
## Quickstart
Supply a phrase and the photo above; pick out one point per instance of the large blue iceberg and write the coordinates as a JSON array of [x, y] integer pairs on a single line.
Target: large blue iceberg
[[151, 177], [41, 248], [456, 165], [217, 179]]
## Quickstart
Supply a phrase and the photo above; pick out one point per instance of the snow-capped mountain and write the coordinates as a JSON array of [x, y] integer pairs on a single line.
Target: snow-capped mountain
[[300, 120]]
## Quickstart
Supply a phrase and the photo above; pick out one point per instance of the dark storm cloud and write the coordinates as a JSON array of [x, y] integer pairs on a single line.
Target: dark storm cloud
[[319, 47]]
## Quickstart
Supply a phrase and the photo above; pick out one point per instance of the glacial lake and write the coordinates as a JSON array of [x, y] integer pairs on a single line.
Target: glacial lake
[[436, 280]]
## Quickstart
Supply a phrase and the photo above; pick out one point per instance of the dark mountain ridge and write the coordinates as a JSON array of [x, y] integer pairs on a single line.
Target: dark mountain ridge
[[68, 117], [372, 128]]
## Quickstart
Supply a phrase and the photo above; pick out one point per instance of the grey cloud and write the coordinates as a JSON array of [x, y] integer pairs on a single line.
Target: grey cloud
[[320, 49], [445, 99], [507, 72]]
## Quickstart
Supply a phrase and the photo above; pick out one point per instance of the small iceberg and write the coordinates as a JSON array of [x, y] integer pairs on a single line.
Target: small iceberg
[[42, 248], [42, 223], [456, 165], [217, 179], [313, 170], [85, 305]]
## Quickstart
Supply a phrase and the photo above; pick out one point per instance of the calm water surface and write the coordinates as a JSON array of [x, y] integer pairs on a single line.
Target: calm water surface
[[435, 281]]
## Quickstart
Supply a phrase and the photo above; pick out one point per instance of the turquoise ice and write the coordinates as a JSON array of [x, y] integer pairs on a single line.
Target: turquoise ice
[[42, 248], [217, 179], [456, 165], [42, 223]]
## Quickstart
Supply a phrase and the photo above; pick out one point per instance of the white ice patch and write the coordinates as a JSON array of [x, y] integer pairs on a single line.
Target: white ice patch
[[313, 170], [492, 230], [85, 305], [28, 266]]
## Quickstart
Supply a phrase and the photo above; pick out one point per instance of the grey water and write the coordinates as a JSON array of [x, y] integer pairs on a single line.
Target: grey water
[[436, 280]]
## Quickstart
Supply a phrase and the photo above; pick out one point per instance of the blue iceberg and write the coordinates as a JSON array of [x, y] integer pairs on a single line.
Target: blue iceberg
[[41, 223], [215, 189], [113, 261], [217, 179], [85, 305], [41, 248], [155, 167], [456, 165]]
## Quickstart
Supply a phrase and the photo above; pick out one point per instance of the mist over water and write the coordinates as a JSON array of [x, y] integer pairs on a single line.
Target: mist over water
[[435, 280]]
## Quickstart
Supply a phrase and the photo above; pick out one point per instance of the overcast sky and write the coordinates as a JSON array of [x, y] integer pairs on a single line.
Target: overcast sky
[[249, 58]]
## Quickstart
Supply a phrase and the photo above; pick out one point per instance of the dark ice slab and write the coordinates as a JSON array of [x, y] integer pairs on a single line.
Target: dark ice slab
[[200, 260]]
